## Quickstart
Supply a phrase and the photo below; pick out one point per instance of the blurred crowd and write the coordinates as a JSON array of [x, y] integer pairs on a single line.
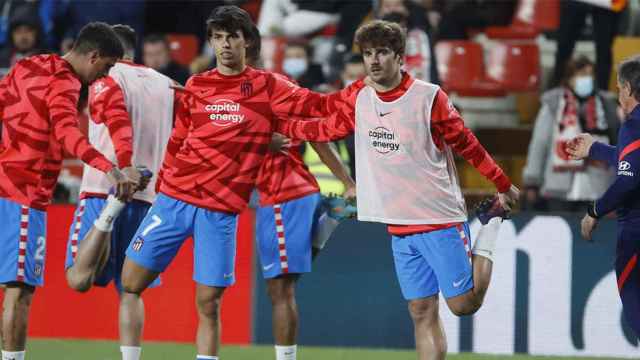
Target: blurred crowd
[[314, 45]]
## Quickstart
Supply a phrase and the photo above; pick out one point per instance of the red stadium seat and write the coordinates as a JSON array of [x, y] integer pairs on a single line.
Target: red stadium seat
[[516, 67], [184, 48], [531, 17], [461, 68]]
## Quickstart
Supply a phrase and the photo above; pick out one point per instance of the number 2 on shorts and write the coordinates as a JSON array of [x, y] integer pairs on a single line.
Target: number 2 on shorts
[[156, 221]]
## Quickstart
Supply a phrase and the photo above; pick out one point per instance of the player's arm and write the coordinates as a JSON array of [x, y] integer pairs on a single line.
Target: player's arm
[[603, 152], [337, 109], [627, 178], [107, 106], [62, 101], [447, 125], [330, 157]]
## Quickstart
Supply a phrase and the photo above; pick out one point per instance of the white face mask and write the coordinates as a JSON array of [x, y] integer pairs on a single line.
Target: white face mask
[[583, 86], [294, 67]]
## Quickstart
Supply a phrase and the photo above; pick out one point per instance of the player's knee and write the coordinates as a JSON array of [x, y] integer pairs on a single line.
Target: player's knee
[[209, 306], [76, 282], [464, 308], [281, 290], [423, 310]]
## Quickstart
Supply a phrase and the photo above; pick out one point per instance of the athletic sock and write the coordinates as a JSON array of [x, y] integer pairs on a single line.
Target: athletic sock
[[485, 244], [286, 352], [130, 352], [206, 357], [12, 355], [109, 213], [326, 226]]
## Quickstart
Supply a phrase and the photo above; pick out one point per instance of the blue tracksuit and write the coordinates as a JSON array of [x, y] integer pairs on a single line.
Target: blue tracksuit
[[624, 197]]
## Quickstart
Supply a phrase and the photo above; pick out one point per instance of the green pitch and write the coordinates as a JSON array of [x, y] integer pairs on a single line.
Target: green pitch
[[38, 349]]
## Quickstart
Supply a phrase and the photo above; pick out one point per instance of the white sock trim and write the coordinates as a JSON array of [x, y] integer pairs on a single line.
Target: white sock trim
[[287, 352], [130, 352], [485, 244], [109, 213], [13, 355], [207, 357]]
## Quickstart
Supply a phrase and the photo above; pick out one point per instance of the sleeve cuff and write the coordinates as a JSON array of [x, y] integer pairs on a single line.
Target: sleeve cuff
[[503, 184], [124, 159]]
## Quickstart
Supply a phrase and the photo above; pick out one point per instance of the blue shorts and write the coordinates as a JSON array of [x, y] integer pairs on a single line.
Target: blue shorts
[[284, 233], [124, 227], [432, 261], [22, 243], [170, 222]]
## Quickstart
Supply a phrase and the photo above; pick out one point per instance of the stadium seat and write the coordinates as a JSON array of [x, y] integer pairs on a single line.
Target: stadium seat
[[461, 68], [531, 18], [516, 67], [184, 48]]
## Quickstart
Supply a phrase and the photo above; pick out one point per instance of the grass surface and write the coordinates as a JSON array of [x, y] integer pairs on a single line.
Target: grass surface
[[40, 349]]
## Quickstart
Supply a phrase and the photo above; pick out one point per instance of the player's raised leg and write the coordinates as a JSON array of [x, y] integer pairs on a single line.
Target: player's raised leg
[[89, 248], [490, 213]]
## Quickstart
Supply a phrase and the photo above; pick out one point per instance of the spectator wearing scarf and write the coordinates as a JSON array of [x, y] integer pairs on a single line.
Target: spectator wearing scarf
[[551, 179]]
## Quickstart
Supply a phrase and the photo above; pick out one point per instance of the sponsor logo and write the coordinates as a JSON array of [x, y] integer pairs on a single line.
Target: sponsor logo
[[266, 268], [224, 113], [137, 244], [623, 168], [458, 283], [624, 165], [228, 276], [385, 114], [383, 140]]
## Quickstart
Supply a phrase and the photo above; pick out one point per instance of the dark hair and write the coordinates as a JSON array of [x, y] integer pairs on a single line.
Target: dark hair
[[380, 33], [126, 35], [98, 36], [573, 66], [629, 73], [230, 18], [255, 45], [156, 38]]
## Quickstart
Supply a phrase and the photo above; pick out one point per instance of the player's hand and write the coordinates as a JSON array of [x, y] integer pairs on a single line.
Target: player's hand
[[587, 226], [279, 143], [509, 198], [578, 148], [123, 184], [349, 192]]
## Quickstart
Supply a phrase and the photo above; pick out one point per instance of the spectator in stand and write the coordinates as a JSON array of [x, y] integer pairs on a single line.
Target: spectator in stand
[[157, 55], [73, 15], [553, 181], [459, 16], [297, 65], [418, 58], [572, 20], [25, 39]]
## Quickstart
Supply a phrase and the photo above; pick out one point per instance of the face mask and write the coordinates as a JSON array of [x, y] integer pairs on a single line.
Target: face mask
[[583, 86], [294, 67]]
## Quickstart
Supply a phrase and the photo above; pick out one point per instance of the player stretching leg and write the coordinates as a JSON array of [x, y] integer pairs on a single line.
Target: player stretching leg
[[224, 121], [132, 116], [286, 221], [405, 131], [39, 99]]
